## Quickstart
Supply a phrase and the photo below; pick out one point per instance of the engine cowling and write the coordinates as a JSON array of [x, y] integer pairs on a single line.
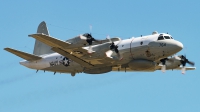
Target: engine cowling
[[142, 65], [77, 42], [98, 70], [173, 63]]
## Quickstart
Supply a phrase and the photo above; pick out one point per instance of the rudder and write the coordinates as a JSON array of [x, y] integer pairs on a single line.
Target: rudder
[[41, 48]]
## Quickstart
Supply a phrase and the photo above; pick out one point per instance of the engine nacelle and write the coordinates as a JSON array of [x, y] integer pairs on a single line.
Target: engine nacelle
[[142, 65], [173, 63], [83, 40], [98, 70], [77, 42]]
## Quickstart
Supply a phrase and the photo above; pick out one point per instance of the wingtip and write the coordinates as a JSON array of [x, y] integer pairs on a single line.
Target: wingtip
[[7, 48]]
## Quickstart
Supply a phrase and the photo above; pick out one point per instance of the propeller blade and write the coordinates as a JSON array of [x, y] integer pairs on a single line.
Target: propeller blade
[[190, 63], [90, 29], [163, 68], [117, 52], [114, 47], [163, 61], [90, 49], [177, 57], [108, 37], [184, 60], [109, 53], [119, 56], [183, 70], [83, 37]]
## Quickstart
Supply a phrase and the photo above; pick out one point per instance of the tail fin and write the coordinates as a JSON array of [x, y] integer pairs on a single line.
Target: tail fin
[[41, 48]]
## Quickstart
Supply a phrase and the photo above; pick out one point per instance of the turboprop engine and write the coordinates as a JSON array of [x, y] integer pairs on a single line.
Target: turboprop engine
[[82, 40], [142, 65], [87, 40]]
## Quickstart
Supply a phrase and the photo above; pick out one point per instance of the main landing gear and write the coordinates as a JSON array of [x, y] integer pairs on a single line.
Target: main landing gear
[[73, 74]]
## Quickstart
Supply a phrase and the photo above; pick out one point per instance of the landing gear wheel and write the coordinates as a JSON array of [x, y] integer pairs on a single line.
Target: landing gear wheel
[[73, 74]]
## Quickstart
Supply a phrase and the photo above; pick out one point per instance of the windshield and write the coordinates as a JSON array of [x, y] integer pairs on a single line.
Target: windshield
[[160, 38], [167, 37]]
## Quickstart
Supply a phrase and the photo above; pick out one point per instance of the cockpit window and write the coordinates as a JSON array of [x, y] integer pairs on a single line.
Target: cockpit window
[[167, 37], [171, 38], [160, 38]]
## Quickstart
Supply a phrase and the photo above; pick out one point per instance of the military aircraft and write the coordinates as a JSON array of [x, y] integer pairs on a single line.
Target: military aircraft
[[84, 53]]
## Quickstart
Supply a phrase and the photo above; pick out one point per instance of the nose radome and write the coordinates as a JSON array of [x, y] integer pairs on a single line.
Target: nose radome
[[179, 45]]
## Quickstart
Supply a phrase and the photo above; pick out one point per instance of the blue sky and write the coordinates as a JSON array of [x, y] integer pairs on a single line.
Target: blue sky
[[21, 89]]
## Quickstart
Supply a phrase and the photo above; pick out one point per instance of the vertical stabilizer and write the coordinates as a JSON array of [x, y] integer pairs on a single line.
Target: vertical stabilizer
[[41, 48]]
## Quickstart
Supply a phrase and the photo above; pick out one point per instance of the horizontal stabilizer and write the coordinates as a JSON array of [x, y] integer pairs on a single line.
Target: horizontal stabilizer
[[26, 56]]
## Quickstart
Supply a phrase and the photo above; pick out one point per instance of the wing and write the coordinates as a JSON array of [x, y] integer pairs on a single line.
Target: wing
[[53, 42], [26, 56], [65, 49], [77, 54], [186, 68], [177, 68]]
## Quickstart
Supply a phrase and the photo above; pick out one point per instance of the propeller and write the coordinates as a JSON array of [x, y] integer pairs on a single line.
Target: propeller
[[90, 29], [89, 39], [164, 64], [185, 61], [114, 47]]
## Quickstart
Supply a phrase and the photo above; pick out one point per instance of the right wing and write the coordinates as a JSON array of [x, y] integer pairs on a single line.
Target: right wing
[[26, 56]]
